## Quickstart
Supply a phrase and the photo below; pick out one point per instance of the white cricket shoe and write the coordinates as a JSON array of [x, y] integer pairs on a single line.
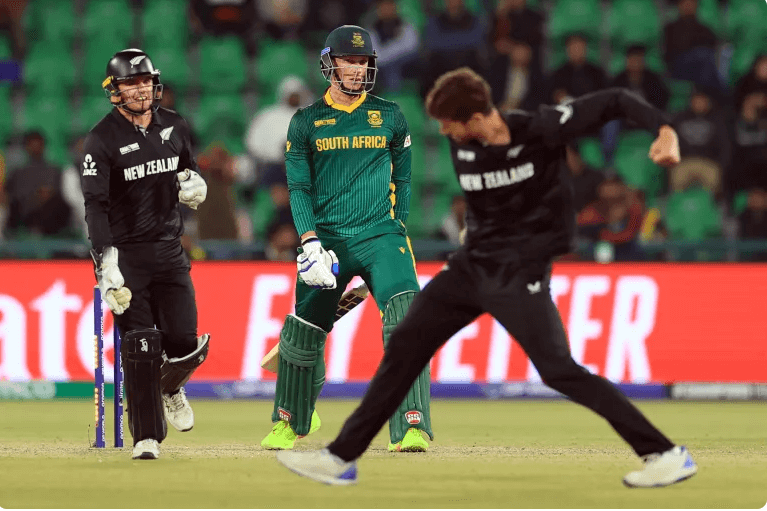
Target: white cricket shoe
[[321, 466], [147, 449], [178, 411], [663, 469]]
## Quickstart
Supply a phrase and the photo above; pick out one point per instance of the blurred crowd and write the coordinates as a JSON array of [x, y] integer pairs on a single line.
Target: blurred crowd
[[239, 69]]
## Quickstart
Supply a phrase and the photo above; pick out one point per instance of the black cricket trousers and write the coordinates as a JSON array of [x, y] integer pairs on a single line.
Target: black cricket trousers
[[519, 298]]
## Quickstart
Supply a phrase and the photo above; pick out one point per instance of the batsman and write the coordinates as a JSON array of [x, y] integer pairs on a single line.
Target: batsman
[[348, 166]]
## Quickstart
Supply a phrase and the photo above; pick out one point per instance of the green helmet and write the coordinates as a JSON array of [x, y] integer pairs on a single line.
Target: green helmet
[[348, 40]]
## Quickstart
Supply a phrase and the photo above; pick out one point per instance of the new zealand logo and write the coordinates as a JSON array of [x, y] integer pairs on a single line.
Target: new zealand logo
[[136, 60], [357, 40], [165, 134], [374, 118]]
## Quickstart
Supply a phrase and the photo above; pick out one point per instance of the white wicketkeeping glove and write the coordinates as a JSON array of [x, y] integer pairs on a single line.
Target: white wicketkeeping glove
[[192, 188], [110, 280], [317, 267]]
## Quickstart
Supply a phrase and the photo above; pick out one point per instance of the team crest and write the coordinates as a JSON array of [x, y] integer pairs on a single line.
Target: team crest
[[357, 40], [287, 146], [413, 417], [374, 118]]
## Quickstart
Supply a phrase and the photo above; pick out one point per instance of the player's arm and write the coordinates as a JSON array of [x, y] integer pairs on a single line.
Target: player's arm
[[401, 170], [298, 166], [561, 123]]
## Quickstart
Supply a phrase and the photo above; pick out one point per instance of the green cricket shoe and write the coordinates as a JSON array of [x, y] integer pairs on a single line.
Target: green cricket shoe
[[413, 442], [282, 436]]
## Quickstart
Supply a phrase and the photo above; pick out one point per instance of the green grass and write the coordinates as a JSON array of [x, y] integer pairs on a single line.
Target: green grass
[[508, 454]]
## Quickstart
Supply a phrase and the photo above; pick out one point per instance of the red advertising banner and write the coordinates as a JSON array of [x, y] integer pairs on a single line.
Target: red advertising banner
[[632, 323]]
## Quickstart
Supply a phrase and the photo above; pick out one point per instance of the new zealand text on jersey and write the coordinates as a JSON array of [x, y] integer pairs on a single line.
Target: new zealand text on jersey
[[488, 180], [151, 167]]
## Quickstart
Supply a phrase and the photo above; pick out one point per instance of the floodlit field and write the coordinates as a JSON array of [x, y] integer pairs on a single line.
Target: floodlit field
[[508, 454]]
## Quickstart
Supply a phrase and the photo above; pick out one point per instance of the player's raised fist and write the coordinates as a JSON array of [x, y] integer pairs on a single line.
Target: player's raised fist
[[664, 150]]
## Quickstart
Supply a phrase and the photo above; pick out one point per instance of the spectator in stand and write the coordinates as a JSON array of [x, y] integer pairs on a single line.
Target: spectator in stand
[[749, 159], [3, 206], [453, 38], [282, 239], [216, 217], [324, 16], [615, 217], [36, 205], [754, 81], [267, 133], [397, 45], [221, 17], [577, 76], [283, 19], [645, 82], [518, 84], [586, 180], [704, 145], [514, 22], [454, 221], [690, 49]]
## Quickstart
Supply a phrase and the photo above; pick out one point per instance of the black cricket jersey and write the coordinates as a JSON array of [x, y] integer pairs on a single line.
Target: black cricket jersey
[[129, 181], [519, 196]]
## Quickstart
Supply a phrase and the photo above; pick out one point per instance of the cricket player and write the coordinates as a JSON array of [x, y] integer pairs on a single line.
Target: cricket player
[[520, 216], [137, 170], [348, 169]]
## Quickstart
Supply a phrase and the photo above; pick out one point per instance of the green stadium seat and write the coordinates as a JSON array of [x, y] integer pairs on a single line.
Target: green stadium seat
[[48, 114], [412, 10], [591, 152], [746, 22], [6, 115], [109, 19], [44, 62], [568, 16], [442, 170], [275, 61], [221, 118], [633, 165], [222, 64], [97, 55], [634, 22], [680, 90], [692, 215], [415, 220], [710, 14], [261, 211], [743, 58], [173, 65], [653, 61], [50, 21], [418, 162], [92, 109], [413, 110], [165, 23]]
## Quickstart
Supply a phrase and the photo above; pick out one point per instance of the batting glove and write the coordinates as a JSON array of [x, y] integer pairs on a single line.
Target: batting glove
[[110, 280], [317, 267], [192, 188]]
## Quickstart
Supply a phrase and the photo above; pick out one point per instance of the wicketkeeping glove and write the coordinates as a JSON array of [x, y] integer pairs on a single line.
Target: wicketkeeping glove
[[192, 188], [111, 282], [317, 267]]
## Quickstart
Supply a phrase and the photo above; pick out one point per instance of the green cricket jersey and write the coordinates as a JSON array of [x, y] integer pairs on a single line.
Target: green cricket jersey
[[348, 166]]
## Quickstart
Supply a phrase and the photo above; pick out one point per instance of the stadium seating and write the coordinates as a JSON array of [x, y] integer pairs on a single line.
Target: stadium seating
[[692, 215], [44, 62], [633, 165], [653, 61], [92, 108], [568, 16], [745, 22], [108, 19], [680, 92], [49, 21], [164, 23], [275, 60], [6, 115], [173, 65], [222, 64], [591, 152], [413, 110], [634, 22], [221, 118]]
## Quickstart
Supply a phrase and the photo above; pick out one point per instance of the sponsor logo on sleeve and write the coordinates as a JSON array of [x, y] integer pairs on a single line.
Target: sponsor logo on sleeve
[[407, 141]]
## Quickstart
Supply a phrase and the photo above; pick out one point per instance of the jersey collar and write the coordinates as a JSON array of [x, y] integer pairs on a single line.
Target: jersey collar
[[156, 118], [344, 108]]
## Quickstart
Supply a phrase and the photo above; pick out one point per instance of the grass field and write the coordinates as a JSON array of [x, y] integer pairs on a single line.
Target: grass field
[[499, 454]]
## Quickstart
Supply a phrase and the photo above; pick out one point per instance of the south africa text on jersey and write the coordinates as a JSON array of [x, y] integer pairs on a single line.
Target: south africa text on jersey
[[498, 178], [357, 142], [151, 167]]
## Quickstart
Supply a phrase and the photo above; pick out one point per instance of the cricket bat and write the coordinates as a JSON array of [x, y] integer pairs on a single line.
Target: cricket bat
[[348, 301]]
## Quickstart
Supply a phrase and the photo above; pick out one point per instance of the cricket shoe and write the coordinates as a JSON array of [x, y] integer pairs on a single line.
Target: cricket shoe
[[147, 449], [321, 466], [178, 411], [282, 435], [413, 442], [663, 469]]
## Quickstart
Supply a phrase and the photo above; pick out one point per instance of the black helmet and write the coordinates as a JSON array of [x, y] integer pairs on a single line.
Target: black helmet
[[128, 64], [349, 40]]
